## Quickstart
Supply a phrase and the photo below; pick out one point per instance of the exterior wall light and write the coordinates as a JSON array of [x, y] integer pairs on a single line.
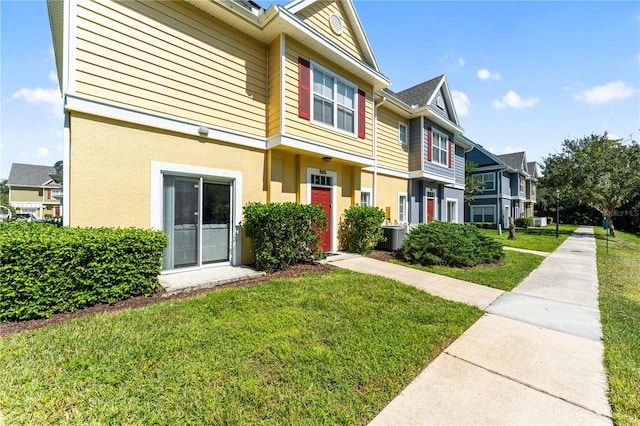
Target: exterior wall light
[[203, 131], [327, 159]]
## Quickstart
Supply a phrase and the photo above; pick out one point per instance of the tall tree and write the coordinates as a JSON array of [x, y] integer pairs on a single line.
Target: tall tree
[[472, 186], [595, 171], [4, 193]]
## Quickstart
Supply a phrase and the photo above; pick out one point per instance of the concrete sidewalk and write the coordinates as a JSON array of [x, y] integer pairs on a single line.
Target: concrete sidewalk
[[534, 358]]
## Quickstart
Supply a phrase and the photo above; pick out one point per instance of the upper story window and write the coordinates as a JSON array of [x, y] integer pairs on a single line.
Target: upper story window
[[403, 133], [440, 148], [533, 189], [522, 184], [488, 179], [329, 100], [334, 101]]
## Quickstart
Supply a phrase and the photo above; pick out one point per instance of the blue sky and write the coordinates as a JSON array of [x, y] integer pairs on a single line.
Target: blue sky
[[524, 75]]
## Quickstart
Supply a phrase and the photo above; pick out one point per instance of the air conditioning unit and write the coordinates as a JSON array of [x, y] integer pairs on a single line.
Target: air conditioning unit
[[394, 235]]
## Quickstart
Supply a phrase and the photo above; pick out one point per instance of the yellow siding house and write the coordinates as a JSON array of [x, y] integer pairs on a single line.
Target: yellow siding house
[[178, 113]]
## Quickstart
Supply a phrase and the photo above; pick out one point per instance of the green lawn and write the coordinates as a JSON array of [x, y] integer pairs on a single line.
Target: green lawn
[[619, 277], [540, 239], [504, 276], [319, 349]]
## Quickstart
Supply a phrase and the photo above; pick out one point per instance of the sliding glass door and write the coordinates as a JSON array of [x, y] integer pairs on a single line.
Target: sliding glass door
[[197, 218]]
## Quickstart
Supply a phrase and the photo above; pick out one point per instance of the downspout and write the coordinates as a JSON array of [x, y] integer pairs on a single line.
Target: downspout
[[374, 202]]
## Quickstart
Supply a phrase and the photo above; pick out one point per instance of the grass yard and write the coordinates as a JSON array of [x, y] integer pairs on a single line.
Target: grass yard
[[619, 277], [319, 349], [504, 276], [541, 239]]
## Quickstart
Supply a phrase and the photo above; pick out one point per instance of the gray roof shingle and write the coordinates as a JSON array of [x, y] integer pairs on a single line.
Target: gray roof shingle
[[420, 93], [29, 175], [514, 160]]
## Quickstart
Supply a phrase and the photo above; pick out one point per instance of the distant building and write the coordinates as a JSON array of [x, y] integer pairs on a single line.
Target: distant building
[[32, 190]]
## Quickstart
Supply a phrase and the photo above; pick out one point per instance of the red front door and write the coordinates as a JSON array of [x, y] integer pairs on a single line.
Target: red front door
[[322, 197], [431, 209]]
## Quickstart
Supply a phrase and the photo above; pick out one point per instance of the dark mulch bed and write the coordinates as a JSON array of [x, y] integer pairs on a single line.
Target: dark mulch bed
[[140, 301], [385, 256]]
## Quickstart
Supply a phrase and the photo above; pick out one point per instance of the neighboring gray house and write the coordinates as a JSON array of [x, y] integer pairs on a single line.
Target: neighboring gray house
[[436, 153], [510, 187], [32, 190]]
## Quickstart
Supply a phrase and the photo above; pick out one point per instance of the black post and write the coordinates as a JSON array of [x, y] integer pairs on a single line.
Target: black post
[[557, 212]]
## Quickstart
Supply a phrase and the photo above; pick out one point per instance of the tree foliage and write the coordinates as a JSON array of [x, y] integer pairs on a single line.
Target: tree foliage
[[594, 171], [472, 186]]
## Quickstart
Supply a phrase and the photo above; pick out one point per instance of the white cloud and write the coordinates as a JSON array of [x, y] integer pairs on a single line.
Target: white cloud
[[461, 102], [39, 95], [461, 61], [42, 152], [608, 92], [53, 76], [513, 100], [485, 74]]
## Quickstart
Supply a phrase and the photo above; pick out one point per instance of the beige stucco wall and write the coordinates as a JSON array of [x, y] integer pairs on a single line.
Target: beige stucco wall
[[388, 188], [110, 173]]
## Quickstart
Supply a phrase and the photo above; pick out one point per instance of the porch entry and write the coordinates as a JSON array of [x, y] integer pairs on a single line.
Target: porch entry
[[431, 206], [196, 217], [322, 197]]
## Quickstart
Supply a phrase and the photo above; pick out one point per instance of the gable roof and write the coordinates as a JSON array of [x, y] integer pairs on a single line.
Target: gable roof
[[296, 6], [515, 160], [420, 94], [30, 175], [532, 168]]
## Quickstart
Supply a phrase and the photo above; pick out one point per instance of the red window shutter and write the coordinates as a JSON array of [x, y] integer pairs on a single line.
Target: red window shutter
[[450, 154], [48, 194], [304, 88], [362, 114], [429, 143]]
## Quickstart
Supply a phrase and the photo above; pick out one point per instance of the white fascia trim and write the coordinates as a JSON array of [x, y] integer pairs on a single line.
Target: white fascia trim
[[156, 196], [320, 38], [430, 176], [456, 186], [361, 35], [71, 43], [334, 200], [66, 170], [317, 148], [389, 172], [298, 5], [108, 109]]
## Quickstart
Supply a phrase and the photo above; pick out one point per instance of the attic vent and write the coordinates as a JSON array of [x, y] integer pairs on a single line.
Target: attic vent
[[336, 23], [440, 101]]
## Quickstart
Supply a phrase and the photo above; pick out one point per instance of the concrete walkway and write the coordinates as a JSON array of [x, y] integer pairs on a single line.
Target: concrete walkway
[[535, 357]]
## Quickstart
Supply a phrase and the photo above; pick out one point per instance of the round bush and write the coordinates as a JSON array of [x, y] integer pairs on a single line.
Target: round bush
[[449, 244]]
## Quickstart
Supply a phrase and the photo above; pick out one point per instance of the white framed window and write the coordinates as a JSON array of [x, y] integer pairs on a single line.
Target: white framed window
[[334, 101], [403, 133], [440, 148], [522, 183], [402, 207], [489, 180], [365, 197], [452, 210], [533, 189], [482, 214]]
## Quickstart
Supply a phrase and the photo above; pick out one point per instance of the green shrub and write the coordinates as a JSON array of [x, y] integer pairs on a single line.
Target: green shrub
[[283, 234], [360, 229], [524, 222], [46, 269], [449, 244]]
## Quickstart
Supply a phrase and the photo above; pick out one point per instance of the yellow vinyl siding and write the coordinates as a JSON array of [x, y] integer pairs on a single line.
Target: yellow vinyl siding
[[308, 130], [171, 59], [317, 15], [26, 194], [391, 153], [273, 108]]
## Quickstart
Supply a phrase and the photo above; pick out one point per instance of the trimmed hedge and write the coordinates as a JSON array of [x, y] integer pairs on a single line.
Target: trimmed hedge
[[524, 222], [450, 244], [283, 234], [360, 230], [46, 269]]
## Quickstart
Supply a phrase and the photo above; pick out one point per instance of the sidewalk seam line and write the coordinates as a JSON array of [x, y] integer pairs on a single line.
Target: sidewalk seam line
[[527, 385]]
